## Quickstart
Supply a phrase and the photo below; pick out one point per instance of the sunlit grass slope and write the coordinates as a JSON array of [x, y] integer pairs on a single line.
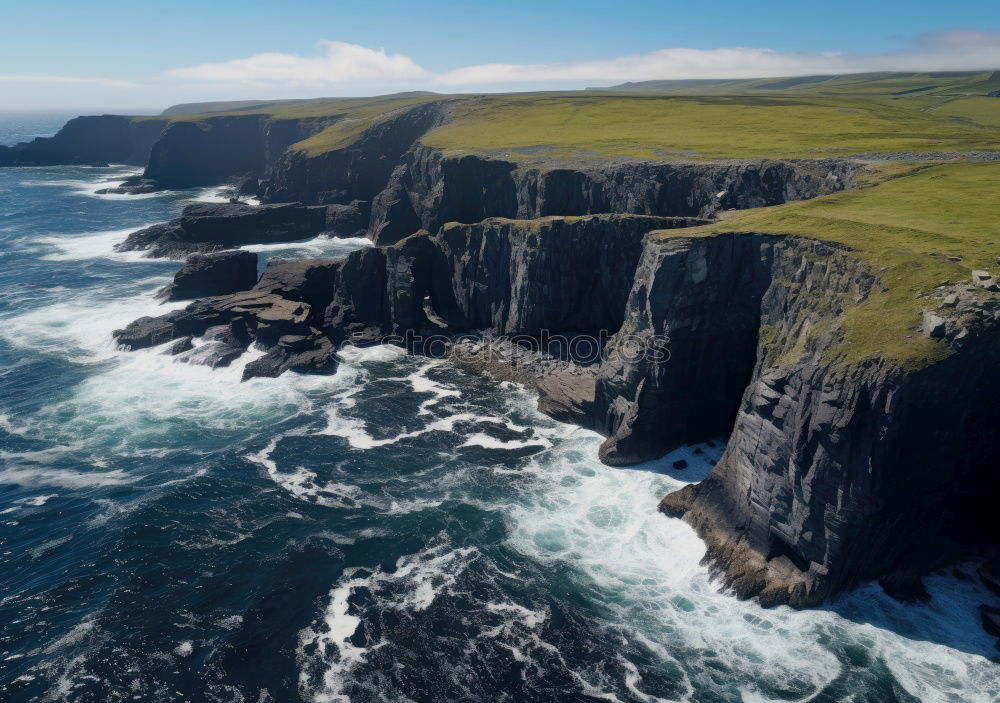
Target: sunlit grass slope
[[581, 125]]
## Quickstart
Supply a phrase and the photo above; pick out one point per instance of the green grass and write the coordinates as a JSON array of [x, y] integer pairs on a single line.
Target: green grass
[[539, 127], [904, 228], [980, 110], [352, 116], [356, 118], [807, 117], [885, 83]]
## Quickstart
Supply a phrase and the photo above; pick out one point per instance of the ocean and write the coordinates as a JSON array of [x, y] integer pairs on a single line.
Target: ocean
[[398, 530]]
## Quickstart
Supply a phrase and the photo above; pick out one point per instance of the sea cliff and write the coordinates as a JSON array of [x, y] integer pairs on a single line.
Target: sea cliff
[[838, 468]]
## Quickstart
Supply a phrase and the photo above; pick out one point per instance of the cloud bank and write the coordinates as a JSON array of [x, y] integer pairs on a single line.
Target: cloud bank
[[340, 63], [337, 62], [953, 50]]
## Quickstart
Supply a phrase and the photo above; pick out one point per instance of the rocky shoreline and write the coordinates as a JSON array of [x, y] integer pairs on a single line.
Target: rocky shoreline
[[835, 472]]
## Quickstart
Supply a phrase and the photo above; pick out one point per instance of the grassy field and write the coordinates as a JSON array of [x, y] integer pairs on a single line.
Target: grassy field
[[811, 116], [905, 228], [353, 116], [585, 125], [887, 83], [979, 110]]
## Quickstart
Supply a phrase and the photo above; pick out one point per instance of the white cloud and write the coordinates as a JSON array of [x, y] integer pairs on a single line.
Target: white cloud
[[952, 50], [337, 62], [339, 68]]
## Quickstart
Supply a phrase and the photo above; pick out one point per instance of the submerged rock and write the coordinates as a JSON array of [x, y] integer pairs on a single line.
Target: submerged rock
[[219, 345], [136, 185]]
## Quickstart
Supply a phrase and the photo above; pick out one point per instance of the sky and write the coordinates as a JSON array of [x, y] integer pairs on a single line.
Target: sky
[[144, 56]]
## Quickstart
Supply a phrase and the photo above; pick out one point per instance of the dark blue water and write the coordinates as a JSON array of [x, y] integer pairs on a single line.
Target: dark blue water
[[396, 530]]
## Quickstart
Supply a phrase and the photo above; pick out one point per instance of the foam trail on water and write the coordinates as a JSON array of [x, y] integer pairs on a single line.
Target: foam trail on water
[[318, 247], [646, 572], [92, 245], [79, 326], [412, 587]]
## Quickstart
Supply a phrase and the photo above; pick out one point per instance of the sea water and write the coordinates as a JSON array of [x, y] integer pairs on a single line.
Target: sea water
[[396, 530]]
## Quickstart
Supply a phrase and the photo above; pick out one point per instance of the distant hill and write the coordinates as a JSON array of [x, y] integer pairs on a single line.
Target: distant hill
[[268, 106], [886, 83]]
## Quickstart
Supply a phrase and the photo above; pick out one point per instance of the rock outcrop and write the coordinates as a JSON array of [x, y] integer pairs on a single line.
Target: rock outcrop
[[281, 314], [90, 140], [213, 150], [214, 273], [430, 188], [210, 226], [357, 172], [839, 471]]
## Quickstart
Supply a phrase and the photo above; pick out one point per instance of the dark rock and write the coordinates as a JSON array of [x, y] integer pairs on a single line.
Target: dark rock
[[214, 273], [429, 188], [308, 280], [358, 172], [348, 220], [220, 345], [822, 452], [905, 586], [308, 353], [676, 373], [211, 226], [148, 332], [991, 619], [248, 186], [989, 572], [260, 310], [95, 140], [135, 185], [680, 464], [181, 345], [213, 150]]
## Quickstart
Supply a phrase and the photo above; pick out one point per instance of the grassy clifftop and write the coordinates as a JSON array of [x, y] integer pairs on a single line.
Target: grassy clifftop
[[584, 125], [918, 229], [947, 83], [805, 117]]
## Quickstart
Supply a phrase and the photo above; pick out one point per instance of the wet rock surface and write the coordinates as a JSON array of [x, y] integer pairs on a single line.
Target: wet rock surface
[[204, 227], [213, 273]]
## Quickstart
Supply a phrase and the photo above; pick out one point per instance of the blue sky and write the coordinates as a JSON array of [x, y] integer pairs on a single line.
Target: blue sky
[[146, 54]]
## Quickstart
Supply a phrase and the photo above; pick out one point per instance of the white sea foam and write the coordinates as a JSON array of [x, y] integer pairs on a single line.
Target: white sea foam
[[645, 571], [89, 245], [322, 246], [326, 648], [31, 475], [79, 327], [214, 195], [88, 187]]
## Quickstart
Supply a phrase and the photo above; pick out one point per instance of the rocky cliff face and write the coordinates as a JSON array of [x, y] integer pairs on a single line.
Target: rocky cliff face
[[89, 140], [430, 188], [835, 471], [357, 172], [216, 149]]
